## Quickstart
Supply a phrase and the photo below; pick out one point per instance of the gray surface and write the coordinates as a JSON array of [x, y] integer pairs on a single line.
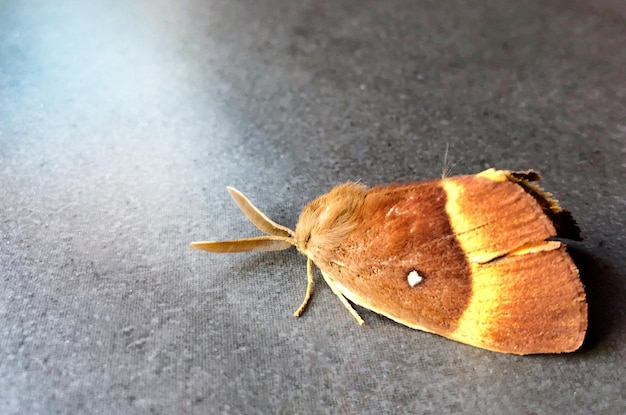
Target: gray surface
[[122, 122]]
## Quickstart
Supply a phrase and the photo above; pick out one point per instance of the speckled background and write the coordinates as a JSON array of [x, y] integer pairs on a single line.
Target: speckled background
[[122, 122]]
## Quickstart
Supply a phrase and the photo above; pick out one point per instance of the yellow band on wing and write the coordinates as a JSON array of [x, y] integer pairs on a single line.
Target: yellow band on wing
[[474, 325]]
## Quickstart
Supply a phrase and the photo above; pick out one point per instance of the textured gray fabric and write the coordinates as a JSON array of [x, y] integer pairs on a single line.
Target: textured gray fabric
[[121, 123]]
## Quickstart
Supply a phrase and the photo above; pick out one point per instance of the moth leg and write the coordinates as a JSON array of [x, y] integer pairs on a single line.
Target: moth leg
[[309, 288], [343, 299]]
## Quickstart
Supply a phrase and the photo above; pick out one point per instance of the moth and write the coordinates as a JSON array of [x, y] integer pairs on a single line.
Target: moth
[[475, 258]]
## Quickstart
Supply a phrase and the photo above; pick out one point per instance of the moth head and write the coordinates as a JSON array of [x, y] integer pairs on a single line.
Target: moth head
[[325, 220]]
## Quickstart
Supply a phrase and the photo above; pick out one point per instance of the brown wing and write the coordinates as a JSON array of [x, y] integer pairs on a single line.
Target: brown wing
[[488, 277], [403, 229]]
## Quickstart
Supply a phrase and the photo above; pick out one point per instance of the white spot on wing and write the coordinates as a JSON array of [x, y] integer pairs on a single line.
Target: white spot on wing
[[414, 278]]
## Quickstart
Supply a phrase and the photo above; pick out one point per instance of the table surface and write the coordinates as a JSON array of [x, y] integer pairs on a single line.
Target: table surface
[[121, 123]]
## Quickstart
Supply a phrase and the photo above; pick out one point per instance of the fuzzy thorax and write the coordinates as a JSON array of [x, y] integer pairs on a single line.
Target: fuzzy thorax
[[325, 221]]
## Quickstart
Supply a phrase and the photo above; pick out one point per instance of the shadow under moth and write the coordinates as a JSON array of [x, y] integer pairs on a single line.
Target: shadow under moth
[[472, 258]]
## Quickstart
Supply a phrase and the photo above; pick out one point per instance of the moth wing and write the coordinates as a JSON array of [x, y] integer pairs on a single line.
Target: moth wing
[[402, 229], [523, 304], [527, 296], [487, 276]]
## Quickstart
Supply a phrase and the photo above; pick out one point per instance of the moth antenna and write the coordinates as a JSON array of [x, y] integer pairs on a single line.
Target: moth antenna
[[309, 288], [257, 244], [258, 218]]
